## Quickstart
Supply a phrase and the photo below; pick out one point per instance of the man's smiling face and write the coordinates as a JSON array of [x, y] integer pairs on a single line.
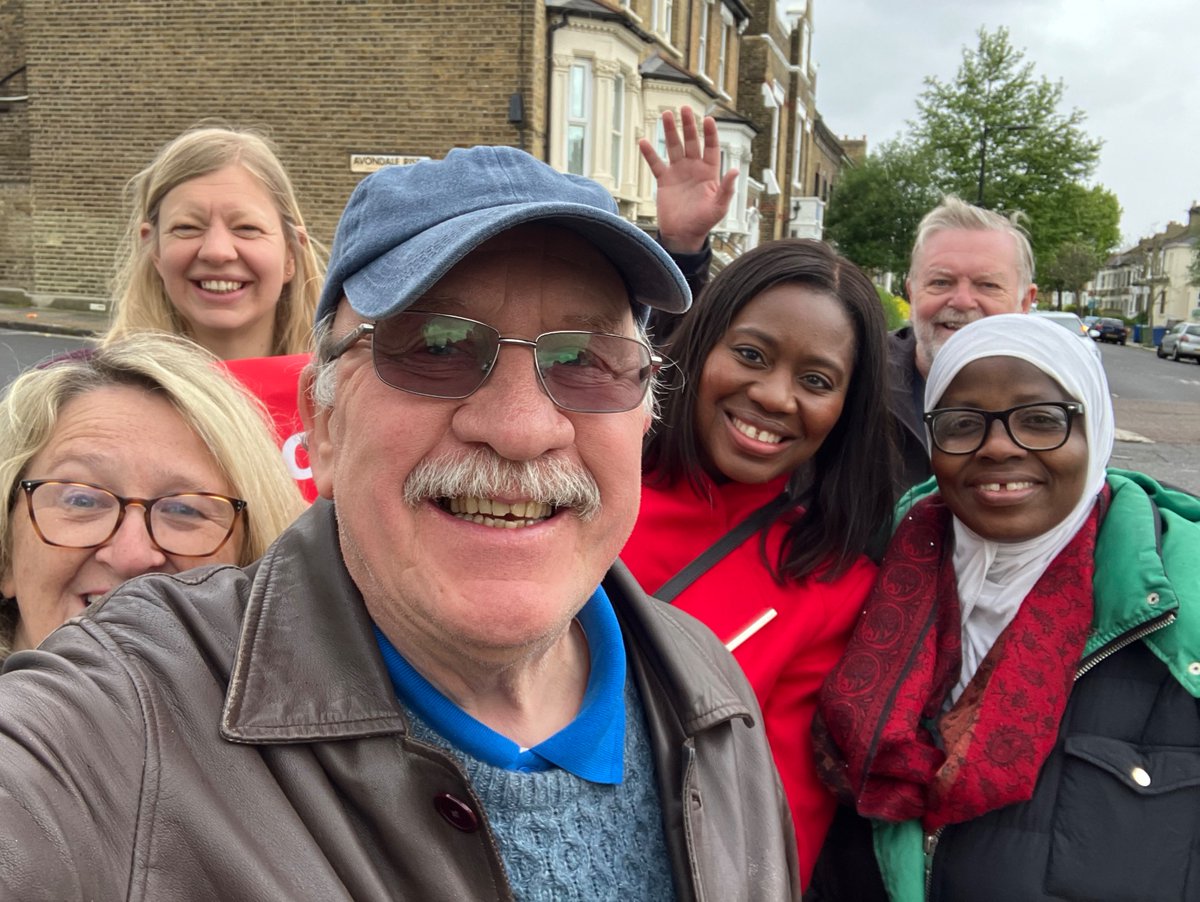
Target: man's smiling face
[[428, 571], [963, 275]]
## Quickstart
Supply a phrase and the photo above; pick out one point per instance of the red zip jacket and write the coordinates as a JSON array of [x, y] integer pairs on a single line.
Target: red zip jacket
[[786, 657]]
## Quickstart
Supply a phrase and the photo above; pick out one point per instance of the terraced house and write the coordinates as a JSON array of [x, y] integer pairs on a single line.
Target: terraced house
[[1153, 276], [89, 92]]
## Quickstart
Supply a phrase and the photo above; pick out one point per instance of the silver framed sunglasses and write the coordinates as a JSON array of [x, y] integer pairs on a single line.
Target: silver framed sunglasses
[[437, 355]]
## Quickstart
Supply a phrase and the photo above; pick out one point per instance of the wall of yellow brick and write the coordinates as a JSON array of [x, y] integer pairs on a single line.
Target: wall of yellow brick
[[326, 79]]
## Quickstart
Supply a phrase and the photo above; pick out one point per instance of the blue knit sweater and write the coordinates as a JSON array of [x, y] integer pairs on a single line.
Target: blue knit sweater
[[563, 838]]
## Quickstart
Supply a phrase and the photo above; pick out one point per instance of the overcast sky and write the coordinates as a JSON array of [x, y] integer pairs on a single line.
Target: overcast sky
[[1132, 67]]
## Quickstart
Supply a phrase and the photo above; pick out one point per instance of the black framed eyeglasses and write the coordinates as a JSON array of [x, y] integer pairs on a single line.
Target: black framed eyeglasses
[[1041, 426], [442, 356], [81, 515]]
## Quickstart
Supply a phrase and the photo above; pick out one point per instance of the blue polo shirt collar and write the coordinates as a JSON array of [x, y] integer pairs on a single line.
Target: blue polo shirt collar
[[592, 746]]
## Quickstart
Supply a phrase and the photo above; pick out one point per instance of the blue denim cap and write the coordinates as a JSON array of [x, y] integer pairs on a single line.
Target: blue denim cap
[[405, 227]]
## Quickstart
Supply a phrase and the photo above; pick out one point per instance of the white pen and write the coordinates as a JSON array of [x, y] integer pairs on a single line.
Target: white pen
[[751, 628]]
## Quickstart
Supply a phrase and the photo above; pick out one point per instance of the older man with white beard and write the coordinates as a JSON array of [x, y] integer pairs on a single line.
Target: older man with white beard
[[967, 263], [437, 684]]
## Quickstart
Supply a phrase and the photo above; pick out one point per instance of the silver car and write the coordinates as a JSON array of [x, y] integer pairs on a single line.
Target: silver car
[[1068, 321], [1181, 343]]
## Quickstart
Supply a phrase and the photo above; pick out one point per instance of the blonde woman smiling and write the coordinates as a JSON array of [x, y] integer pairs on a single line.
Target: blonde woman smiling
[[140, 457]]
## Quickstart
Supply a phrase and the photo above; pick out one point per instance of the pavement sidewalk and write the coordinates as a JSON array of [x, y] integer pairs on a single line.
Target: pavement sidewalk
[[60, 321], [55, 320]]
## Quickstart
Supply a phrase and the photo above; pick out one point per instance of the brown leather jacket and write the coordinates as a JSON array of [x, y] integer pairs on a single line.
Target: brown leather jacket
[[233, 734]]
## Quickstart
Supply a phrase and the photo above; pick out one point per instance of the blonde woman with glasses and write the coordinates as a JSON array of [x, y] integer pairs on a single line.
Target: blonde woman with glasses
[[140, 457]]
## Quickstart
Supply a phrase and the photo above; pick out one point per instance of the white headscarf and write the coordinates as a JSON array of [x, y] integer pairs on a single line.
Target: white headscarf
[[994, 577]]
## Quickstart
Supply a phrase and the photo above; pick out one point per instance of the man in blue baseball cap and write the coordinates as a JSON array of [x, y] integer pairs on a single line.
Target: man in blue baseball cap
[[438, 684]]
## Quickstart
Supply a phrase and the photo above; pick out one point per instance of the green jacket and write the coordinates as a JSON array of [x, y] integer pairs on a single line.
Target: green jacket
[[1147, 568]]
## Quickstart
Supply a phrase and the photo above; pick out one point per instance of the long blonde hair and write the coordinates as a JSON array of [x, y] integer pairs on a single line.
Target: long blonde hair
[[229, 420], [141, 299]]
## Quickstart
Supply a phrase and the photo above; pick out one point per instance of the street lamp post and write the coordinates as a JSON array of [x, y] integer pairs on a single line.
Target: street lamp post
[[983, 152]]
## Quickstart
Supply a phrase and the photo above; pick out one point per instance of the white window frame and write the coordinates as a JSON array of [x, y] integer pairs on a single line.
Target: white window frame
[[702, 43], [723, 49], [578, 120], [618, 128], [660, 147], [774, 97], [798, 156], [734, 220], [661, 13]]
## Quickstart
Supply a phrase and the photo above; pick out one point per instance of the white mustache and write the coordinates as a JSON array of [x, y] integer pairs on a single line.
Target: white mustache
[[482, 473], [955, 318]]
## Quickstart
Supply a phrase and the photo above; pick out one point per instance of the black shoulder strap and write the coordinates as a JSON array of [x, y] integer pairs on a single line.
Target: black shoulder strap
[[753, 522]]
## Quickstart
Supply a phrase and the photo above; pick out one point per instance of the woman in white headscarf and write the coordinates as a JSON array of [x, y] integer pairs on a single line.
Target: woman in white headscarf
[[1018, 709]]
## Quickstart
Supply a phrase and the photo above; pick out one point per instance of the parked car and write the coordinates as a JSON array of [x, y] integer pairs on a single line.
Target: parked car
[[1090, 321], [1110, 329], [1068, 321], [1181, 343]]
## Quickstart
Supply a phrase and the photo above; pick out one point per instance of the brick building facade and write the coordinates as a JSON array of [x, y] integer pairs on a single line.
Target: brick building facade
[[797, 158], [87, 100], [16, 246]]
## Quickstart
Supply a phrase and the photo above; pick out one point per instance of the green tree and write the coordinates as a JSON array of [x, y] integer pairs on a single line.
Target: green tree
[[1074, 264], [998, 115], [1031, 148], [1070, 217], [875, 207], [1038, 160]]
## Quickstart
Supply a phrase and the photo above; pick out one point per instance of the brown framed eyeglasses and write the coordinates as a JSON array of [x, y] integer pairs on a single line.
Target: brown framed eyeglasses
[[82, 515]]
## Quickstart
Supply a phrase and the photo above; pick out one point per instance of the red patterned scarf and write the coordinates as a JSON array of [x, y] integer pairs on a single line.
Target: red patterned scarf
[[884, 741]]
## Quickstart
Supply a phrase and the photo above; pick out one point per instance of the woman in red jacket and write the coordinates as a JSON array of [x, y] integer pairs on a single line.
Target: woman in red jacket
[[774, 419]]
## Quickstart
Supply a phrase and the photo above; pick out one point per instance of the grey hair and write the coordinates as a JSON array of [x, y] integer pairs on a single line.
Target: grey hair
[[324, 369], [482, 473], [954, 214]]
